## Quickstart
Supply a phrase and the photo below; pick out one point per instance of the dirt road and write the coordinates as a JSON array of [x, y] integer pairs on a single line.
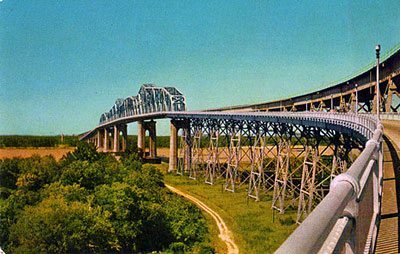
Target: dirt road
[[224, 232]]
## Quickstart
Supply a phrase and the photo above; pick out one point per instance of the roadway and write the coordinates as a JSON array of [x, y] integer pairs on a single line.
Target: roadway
[[388, 236]]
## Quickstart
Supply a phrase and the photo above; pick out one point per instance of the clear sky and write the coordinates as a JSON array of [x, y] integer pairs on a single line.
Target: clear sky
[[63, 63]]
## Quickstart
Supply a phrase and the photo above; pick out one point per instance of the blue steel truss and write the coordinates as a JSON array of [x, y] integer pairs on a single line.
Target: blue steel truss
[[150, 99]]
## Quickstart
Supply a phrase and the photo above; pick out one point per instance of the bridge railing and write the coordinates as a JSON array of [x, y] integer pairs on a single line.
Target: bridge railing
[[348, 217], [390, 116], [364, 124]]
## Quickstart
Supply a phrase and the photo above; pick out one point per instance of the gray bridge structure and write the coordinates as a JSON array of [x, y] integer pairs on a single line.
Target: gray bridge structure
[[320, 153]]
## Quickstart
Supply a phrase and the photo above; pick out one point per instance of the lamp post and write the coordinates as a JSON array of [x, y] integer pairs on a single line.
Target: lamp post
[[356, 85], [378, 99]]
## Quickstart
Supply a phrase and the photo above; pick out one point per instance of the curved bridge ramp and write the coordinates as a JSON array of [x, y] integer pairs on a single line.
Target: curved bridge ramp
[[388, 236]]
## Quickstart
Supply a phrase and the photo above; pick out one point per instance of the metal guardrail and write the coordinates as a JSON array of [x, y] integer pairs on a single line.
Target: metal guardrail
[[347, 219], [364, 124]]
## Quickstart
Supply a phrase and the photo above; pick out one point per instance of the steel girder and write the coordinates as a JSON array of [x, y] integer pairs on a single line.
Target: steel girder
[[150, 99]]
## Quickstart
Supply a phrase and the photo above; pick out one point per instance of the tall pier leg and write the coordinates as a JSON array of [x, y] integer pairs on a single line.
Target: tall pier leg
[[98, 140], [188, 148], [116, 139], [124, 137], [153, 139], [141, 139], [105, 149], [173, 148]]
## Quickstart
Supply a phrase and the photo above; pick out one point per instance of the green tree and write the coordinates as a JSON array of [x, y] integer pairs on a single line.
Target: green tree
[[37, 171], [11, 208], [9, 171], [83, 152], [70, 193], [84, 173], [186, 222], [122, 201], [55, 226]]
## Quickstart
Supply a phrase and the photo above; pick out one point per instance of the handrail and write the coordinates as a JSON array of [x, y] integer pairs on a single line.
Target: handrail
[[390, 116], [331, 225]]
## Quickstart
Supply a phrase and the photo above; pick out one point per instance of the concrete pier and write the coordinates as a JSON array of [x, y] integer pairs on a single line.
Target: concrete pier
[[173, 147], [141, 139], [151, 128], [105, 146], [116, 139]]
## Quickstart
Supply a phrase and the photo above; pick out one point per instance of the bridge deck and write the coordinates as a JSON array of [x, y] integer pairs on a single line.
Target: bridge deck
[[388, 237]]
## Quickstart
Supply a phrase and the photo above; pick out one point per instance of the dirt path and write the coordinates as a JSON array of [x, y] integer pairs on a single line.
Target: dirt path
[[224, 232]]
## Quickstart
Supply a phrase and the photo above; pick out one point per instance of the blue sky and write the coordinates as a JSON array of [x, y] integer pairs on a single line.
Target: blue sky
[[63, 63]]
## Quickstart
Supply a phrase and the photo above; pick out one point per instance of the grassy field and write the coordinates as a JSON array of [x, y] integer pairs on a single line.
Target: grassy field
[[255, 226]]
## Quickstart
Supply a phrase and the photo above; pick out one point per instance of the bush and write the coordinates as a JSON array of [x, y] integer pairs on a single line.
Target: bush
[[84, 152], [9, 171], [37, 171], [55, 226]]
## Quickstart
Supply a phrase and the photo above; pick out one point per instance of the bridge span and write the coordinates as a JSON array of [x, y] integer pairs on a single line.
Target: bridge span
[[320, 153]]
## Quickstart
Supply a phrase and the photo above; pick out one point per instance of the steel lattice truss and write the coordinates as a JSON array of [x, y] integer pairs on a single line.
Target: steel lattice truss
[[150, 99], [294, 163]]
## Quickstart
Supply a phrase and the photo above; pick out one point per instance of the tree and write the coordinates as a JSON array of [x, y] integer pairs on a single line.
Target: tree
[[9, 171], [37, 171], [55, 226], [83, 152]]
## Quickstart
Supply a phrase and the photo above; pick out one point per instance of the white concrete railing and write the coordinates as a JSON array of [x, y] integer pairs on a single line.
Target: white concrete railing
[[390, 116]]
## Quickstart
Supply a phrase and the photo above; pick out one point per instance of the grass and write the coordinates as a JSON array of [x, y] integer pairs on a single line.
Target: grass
[[255, 226]]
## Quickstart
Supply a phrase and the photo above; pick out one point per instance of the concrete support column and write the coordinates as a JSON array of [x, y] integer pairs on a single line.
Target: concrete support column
[[188, 146], [173, 147], [151, 127], [98, 140], [105, 146], [141, 139], [116, 139], [124, 137]]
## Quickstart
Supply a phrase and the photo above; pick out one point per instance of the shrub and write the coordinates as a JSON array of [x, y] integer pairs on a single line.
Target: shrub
[[55, 226]]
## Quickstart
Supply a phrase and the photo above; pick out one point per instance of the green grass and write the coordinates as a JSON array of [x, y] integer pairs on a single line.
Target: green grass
[[255, 226]]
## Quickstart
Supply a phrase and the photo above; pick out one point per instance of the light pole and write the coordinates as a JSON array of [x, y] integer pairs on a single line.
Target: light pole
[[378, 99], [356, 85]]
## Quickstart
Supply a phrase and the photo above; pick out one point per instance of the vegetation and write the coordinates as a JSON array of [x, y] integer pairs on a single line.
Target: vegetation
[[38, 141], [67, 140], [255, 226], [92, 203]]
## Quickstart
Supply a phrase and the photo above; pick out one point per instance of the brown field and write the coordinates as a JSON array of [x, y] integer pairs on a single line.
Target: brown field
[[57, 152]]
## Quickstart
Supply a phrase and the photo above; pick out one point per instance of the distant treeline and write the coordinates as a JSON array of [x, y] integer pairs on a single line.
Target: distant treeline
[[38, 141], [66, 140], [162, 141]]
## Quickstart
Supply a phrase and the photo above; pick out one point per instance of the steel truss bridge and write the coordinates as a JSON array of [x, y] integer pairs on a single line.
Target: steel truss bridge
[[319, 153]]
